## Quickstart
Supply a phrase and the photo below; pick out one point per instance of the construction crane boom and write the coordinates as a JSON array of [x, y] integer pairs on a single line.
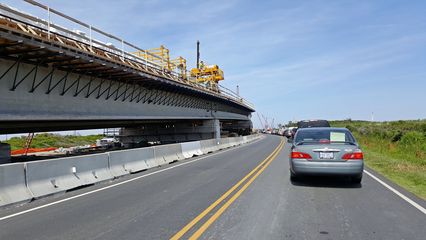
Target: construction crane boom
[[260, 120]]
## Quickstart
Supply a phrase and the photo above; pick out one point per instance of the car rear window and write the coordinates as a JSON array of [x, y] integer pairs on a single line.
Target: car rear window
[[325, 135]]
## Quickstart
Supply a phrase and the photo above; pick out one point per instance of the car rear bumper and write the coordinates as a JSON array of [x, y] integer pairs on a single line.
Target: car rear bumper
[[351, 167]]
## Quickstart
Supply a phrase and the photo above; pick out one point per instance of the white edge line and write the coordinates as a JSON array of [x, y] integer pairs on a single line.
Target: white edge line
[[407, 199], [118, 184]]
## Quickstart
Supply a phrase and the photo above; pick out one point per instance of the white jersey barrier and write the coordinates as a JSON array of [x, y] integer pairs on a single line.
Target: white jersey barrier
[[131, 161], [190, 149], [59, 175], [209, 146], [234, 141], [225, 143], [165, 154], [12, 184], [20, 182]]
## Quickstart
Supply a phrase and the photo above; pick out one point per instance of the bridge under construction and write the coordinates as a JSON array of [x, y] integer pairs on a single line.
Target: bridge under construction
[[54, 78]]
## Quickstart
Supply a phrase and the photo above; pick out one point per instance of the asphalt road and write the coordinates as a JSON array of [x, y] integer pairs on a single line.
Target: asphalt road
[[159, 203]]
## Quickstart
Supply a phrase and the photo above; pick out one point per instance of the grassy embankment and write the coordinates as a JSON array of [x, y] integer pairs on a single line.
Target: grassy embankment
[[395, 149], [44, 140]]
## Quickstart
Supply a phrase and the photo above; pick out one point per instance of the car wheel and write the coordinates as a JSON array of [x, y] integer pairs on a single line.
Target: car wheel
[[293, 176], [356, 179]]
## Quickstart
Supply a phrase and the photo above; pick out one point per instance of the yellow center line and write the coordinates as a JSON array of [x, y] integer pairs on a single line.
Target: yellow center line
[[215, 216], [185, 229]]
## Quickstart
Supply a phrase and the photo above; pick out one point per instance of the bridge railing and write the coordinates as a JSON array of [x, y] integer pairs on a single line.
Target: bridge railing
[[90, 43]]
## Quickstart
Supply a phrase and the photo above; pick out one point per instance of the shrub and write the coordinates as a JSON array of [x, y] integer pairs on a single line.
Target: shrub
[[412, 137], [397, 137]]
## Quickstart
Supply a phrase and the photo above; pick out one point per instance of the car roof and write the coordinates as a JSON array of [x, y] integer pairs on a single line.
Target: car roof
[[312, 120], [313, 123], [323, 128]]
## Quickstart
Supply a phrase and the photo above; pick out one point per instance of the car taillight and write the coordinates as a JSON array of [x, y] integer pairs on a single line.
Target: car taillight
[[353, 156], [300, 155]]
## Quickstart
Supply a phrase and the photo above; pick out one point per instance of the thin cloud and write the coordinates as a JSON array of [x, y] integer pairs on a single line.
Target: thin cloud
[[274, 48]]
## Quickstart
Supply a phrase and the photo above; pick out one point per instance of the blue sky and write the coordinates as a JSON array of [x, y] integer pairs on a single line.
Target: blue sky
[[293, 59]]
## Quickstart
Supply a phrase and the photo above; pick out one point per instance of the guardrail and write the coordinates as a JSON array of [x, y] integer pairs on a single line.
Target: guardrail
[[21, 182]]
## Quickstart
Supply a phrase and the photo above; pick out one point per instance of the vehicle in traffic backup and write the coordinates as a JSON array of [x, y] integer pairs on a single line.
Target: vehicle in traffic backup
[[313, 123], [309, 124], [326, 151]]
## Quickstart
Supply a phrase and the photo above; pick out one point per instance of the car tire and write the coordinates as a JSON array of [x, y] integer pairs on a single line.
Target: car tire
[[356, 179], [293, 177]]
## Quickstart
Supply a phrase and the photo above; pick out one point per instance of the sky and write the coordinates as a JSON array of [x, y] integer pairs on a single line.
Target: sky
[[292, 59]]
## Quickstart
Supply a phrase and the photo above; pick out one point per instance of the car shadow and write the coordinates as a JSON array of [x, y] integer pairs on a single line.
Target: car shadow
[[325, 182]]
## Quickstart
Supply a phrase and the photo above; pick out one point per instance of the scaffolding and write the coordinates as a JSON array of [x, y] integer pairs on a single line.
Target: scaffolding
[[161, 57]]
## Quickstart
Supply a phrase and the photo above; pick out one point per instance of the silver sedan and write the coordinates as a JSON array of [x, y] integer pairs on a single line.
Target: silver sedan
[[326, 151]]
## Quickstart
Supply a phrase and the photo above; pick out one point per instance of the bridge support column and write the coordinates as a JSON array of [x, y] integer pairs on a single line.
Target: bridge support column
[[214, 126], [5, 153]]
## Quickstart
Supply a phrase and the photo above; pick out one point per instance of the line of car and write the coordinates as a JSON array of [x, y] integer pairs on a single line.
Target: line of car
[[319, 149]]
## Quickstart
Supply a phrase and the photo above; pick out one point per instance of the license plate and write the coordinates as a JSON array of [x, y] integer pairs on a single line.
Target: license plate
[[326, 155]]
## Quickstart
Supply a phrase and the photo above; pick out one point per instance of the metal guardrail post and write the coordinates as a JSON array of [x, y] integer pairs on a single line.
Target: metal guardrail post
[[48, 23], [122, 48], [90, 37]]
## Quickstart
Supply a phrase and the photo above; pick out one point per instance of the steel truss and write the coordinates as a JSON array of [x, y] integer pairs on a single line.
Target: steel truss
[[106, 89]]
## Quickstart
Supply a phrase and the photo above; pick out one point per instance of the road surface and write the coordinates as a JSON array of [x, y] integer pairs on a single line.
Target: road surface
[[240, 193]]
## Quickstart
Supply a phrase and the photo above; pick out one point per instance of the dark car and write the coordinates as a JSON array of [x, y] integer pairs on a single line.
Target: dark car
[[309, 124], [313, 123], [293, 132]]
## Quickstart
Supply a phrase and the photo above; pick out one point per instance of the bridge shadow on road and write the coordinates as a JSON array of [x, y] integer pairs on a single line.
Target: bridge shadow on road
[[325, 182]]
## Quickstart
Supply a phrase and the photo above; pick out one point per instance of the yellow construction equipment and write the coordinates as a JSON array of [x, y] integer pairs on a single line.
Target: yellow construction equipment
[[180, 64], [161, 57], [209, 75]]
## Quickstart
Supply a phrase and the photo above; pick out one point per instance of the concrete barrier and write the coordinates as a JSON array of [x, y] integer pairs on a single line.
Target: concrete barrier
[[130, 161], [48, 177], [166, 154], [59, 175], [225, 143], [190, 149], [231, 142], [235, 141], [208, 146], [12, 184]]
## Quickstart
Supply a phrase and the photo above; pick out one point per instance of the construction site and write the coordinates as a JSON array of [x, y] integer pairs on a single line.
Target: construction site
[[82, 66]]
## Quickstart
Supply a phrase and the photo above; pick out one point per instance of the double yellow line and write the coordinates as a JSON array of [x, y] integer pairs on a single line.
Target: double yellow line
[[253, 174]]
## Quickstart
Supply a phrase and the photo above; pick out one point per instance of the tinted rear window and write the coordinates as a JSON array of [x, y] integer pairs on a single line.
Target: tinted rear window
[[324, 135], [308, 124]]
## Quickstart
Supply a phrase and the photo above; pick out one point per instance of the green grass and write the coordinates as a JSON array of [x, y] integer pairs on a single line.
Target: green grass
[[44, 140], [395, 149]]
